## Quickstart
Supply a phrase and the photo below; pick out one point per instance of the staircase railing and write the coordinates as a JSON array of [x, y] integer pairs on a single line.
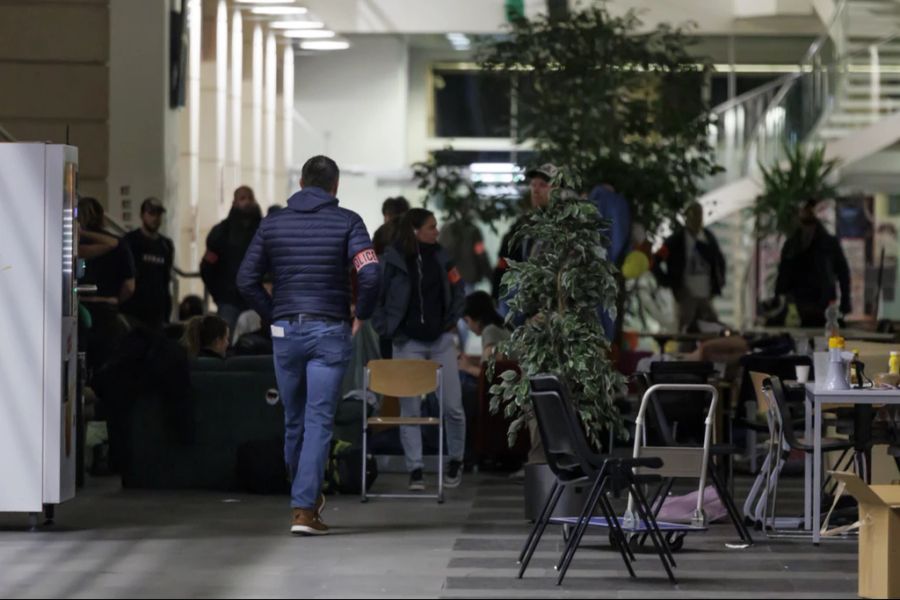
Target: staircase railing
[[755, 127]]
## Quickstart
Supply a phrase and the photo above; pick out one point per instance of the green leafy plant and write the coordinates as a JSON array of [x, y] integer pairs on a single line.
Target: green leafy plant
[[560, 289], [803, 175], [459, 199], [618, 104]]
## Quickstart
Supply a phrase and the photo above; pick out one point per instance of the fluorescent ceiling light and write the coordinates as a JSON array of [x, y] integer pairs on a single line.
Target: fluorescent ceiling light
[[324, 45], [460, 41], [494, 168], [297, 25], [265, 1], [279, 11], [308, 34]]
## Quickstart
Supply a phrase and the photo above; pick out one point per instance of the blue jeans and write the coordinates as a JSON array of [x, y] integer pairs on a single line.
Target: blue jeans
[[442, 351], [311, 357]]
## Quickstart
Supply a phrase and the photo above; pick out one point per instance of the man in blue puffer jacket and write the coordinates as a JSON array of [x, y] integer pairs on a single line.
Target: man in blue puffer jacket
[[308, 248]]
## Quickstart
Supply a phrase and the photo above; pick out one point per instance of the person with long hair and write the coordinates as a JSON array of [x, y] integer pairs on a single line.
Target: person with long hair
[[421, 301], [206, 337]]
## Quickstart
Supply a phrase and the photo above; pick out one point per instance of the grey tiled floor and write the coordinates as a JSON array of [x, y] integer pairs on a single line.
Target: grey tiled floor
[[113, 543]]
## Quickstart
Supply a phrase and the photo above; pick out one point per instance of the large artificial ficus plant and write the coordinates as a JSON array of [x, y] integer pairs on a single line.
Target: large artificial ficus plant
[[615, 102], [557, 292], [803, 175], [450, 190]]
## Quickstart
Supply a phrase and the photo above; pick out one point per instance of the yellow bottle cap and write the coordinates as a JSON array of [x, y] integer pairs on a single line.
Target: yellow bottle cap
[[836, 342]]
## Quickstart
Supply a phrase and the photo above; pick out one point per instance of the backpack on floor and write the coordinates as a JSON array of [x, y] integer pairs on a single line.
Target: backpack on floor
[[343, 472]]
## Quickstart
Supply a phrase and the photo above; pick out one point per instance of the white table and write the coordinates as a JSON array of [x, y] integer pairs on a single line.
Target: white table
[[813, 479]]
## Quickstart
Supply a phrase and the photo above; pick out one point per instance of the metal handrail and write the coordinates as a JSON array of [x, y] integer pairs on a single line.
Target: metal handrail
[[6, 135]]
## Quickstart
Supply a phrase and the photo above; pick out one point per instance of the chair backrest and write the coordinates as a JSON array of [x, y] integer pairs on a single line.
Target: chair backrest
[[759, 383], [783, 367], [576, 441], [787, 426], [403, 378], [678, 418], [555, 432]]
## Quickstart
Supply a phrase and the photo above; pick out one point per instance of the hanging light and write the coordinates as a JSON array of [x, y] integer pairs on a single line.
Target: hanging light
[[297, 25], [279, 11], [324, 45], [310, 34]]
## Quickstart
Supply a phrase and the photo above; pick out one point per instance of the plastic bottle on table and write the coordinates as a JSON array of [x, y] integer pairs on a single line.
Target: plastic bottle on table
[[832, 318], [837, 368]]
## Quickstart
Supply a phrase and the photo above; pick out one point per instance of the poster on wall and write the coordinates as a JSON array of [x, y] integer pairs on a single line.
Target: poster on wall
[[855, 227]]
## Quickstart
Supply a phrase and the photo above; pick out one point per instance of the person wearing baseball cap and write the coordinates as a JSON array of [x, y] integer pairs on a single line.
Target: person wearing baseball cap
[[540, 185], [154, 255]]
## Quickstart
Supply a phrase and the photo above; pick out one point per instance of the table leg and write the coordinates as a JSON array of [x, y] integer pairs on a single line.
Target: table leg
[[817, 473], [808, 468]]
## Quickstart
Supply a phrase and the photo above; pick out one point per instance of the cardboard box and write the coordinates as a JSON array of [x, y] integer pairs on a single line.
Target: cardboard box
[[879, 536]]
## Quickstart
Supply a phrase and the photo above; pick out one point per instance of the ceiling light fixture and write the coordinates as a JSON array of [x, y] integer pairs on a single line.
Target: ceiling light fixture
[[279, 11], [308, 34], [265, 1], [324, 45], [297, 25]]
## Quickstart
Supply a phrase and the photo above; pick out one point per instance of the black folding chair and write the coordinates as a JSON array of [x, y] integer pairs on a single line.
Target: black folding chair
[[573, 462]]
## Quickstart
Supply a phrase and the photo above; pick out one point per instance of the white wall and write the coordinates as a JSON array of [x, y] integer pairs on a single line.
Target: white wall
[[352, 106]]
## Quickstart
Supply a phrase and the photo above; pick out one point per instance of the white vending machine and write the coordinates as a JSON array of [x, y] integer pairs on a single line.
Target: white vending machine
[[38, 325]]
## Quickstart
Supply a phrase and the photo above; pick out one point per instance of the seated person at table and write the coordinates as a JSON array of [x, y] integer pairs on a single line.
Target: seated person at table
[[206, 337], [482, 319]]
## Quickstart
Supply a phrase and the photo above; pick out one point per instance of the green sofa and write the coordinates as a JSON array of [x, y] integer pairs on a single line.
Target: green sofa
[[231, 404]]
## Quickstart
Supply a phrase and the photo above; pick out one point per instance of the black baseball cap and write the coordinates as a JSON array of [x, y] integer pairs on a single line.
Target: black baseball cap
[[152, 204]]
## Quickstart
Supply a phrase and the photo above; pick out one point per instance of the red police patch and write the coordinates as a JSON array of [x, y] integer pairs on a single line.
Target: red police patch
[[366, 257]]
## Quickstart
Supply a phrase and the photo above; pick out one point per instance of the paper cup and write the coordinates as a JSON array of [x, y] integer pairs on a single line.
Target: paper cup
[[802, 373]]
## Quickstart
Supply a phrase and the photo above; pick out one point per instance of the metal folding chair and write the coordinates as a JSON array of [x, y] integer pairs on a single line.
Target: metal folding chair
[[683, 462], [404, 378]]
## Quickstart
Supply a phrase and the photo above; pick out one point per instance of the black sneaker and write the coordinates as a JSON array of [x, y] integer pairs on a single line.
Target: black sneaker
[[416, 481], [453, 477]]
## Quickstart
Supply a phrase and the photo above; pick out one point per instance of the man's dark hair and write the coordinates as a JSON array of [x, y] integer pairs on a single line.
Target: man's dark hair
[[480, 307], [321, 172], [394, 208]]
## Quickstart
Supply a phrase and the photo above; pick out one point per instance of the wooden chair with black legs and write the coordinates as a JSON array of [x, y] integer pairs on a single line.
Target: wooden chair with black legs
[[404, 378]]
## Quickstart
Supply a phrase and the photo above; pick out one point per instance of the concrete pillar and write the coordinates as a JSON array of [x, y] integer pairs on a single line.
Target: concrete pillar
[[186, 230], [234, 176], [251, 99], [287, 123], [214, 200], [270, 91]]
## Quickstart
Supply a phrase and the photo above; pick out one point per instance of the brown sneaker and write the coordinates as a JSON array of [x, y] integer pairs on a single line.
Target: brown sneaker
[[307, 523], [320, 506]]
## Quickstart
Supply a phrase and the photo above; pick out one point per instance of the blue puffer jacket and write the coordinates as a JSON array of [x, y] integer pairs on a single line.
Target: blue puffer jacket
[[309, 248]]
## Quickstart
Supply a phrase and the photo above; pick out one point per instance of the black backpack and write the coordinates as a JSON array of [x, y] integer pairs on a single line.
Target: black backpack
[[343, 472]]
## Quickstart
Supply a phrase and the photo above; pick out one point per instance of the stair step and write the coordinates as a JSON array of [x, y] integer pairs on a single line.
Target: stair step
[[828, 133], [851, 119], [866, 77], [885, 105], [886, 91]]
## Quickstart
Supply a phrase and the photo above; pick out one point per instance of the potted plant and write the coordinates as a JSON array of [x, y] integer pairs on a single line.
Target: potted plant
[[615, 102], [803, 175]]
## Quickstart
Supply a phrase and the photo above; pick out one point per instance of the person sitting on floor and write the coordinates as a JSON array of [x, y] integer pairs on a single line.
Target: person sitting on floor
[[206, 337]]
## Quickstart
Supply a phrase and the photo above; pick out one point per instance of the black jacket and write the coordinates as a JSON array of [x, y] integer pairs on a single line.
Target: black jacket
[[673, 255], [810, 275], [508, 251], [465, 245], [226, 246]]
